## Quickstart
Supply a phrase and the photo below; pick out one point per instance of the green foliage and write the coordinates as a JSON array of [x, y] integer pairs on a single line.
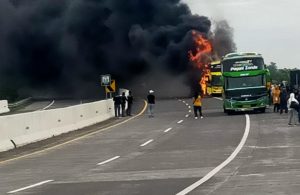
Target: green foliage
[[278, 75]]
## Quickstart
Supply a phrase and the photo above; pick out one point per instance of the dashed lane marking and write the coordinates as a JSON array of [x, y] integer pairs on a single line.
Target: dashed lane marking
[[218, 98], [147, 142], [180, 121], [109, 160], [31, 186], [167, 130]]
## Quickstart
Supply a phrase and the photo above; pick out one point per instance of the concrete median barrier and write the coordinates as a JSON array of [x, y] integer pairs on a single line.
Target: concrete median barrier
[[3, 106], [21, 129]]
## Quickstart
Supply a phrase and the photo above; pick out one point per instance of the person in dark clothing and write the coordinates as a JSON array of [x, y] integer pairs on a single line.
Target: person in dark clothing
[[123, 103], [117, 104], [283, 101], [129, 103], [298, 99], [151, 103]]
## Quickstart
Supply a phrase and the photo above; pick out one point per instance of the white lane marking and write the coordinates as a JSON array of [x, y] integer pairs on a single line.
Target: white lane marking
[[186, 104], [218, 98], [190, 110], [49, 105], [187, 116], [147, 142], [167, 130], [180, 100], [223, 164], [183, 101], [109, 160], [272, 147], [31, 186], [180, 121], [189, 106], [253, 175]]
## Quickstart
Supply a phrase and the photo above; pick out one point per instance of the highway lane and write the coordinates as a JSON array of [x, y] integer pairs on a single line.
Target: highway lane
[[148, 156], [269, 163]]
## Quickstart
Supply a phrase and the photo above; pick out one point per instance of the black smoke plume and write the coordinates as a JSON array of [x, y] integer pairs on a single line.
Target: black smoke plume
[[61, 47]]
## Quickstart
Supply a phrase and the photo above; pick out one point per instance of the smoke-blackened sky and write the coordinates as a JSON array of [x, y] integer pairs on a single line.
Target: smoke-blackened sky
[[62, 47]]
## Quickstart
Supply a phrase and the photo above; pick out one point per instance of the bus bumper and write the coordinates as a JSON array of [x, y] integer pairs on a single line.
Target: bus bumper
[[233, 105]]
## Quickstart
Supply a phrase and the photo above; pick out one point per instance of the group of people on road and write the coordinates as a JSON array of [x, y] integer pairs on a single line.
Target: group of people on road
[[120, 104], [287, 102], [121, 100]]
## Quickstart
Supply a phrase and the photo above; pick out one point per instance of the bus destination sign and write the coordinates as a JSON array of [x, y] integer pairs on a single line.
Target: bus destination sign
[[243, 66]]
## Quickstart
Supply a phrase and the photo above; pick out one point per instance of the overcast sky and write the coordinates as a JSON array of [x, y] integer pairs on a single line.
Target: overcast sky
[[270, 27]]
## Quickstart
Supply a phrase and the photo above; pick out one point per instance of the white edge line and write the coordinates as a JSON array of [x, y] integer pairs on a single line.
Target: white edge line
[[49, 105], [167, 130], [147, 142], [223, 164], [109, 160], [180, 121], [31, 186]]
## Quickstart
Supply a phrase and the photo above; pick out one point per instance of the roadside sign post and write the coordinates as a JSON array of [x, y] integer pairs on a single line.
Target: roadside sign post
[[105, 81], [111, 88]]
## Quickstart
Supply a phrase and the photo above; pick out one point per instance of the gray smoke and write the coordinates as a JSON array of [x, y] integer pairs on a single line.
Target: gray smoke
[[223, 39], [61, 47]]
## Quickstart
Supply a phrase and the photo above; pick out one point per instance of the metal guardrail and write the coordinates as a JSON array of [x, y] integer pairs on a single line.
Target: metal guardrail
[[19, 103]]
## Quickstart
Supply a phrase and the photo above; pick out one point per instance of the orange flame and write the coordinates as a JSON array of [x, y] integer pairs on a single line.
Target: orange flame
[[202, 57], [203, 50]]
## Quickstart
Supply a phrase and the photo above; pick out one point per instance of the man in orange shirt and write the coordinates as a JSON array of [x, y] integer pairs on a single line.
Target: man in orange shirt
[[276, 98], [197, 102]]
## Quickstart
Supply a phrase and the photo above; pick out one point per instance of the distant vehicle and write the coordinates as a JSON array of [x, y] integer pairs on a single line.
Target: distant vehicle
[[246, 82], [215, 83], [295, 79]]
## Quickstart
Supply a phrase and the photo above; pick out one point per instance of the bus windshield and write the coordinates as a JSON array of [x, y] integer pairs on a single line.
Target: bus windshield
[[216, 80], [245, 82]]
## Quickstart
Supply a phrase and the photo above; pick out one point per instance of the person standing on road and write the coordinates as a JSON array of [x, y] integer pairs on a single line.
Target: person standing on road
[[283, 101], [293, 105], [129, 103], [276, 98], [123, 103], [197, 102], [298, 99], [151, 103], [117, 104]]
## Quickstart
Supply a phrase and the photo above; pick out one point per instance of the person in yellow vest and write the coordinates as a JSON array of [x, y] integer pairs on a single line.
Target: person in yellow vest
[[197, 102], [276, 98]]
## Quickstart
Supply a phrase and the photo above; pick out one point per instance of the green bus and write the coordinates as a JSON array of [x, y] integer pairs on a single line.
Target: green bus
[[245, 82]]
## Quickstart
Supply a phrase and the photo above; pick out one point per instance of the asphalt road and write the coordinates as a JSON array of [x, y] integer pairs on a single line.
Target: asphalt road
[[250, 153]]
